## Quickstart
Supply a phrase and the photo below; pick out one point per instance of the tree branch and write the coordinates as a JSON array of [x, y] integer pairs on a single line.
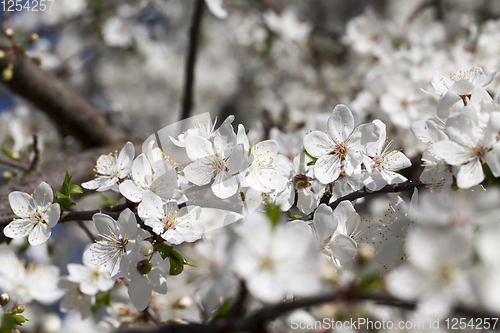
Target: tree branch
[[64, 106], [194, 33], [256, 321]]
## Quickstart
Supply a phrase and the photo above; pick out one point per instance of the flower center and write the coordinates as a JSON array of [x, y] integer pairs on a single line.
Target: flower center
[[340, 149], [218, 164], [378, 160], [479, 152], [170, 221]]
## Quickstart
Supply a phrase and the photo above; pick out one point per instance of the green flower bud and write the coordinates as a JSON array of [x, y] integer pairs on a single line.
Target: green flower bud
[[8, 72], [18, 308], [4, 299], [144, 266]]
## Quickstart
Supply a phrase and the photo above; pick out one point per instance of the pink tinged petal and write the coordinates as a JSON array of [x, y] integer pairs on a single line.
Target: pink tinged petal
[[460, 129], [470, 174], [39, 234], [18, 228], [158, 280], [318, 144], [131, 190], [53, 213], [343, 247], [199, 172], [324, 222], [140, 291], [198, 147], [327, 168], [451, 152], [492, 158], [462, 87], [43, 194], [127, 224], [340, 123], [224, 185], [20, 203]]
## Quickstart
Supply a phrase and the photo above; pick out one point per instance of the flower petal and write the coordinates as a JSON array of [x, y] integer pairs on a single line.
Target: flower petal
[[470, 174], [43, 194], [340, 123], [20, 203], [318, 144]]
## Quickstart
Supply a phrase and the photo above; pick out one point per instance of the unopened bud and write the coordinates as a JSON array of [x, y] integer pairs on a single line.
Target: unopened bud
[[144, 266], [8, 72], [301, 181], [7, 175], [176, 321], [16, 156], [33, 38], [18, 308], [2, 54], [9, 32], [4, 299], [15, 330], [146, 248], [183, 303], [366, 252]]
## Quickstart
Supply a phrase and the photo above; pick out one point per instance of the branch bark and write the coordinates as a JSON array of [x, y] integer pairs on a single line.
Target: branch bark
[[194, 33], [64, 106]]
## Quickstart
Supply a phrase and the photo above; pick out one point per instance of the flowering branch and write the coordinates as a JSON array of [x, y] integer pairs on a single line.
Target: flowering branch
[[256, 322], [194, 33]]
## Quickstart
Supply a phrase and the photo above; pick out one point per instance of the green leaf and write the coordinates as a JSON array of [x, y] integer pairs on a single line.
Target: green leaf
[[164, 250], [65, 185], [7, 151], [370, 282], [108, 202], [59, 195], [19, 319], [176, 265], [222, 311], [9, 321], [274, 213], [296, 216], [75, 189], [102, 298], [189, 263]]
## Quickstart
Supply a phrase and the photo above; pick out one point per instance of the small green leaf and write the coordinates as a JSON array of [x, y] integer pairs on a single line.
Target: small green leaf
[[102, 298], [274, 213], [65, 185], [164, 250], [7, 151], [222, 311], [176, 265], [370, 282], [75, 189], [59, 195], [296, 216], [189, 263], [19, 319]]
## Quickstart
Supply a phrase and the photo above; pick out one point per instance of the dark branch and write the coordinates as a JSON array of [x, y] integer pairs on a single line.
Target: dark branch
[[13, 164], [65, 107], [364, 192], [256, 321], [194, 34]]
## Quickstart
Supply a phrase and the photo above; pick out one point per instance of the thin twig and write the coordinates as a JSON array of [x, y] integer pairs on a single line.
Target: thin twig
[[36, 157], [6, 20], [194, 33], [14, 164]]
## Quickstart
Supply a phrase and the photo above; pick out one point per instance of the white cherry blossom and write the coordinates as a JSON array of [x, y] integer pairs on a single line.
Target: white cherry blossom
[[74, 298], [37, 214], [340, 147], [119, 245], [91, 278], [111, 169]]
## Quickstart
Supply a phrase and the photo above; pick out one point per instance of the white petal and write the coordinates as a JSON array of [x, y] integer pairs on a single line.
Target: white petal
[[18, 228], [224, 185], [20, 203], [198, 147], [318, 144], [492, 158], [451, 152], [199, 172], [54, 213], [470, 174], [327, 168], [127, 223], [43, 194], [158, 281], [139, 291], [39, 234], [105, 224], [460, 129], [324, 222], [340, 123], [343, 247], [131, 190]]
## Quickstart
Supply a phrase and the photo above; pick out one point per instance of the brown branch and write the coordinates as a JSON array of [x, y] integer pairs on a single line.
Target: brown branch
[[64, 106], [194, 34], [256, 321], [14, 164]]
